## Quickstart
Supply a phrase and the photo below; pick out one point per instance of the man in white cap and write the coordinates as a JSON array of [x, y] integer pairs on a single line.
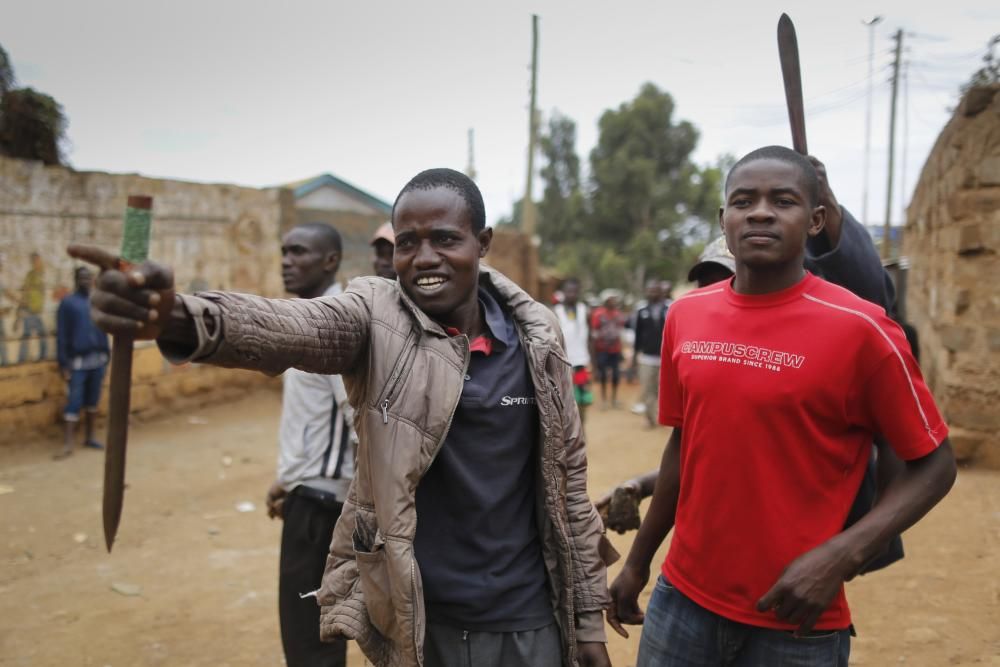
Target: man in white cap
[[383, 243]]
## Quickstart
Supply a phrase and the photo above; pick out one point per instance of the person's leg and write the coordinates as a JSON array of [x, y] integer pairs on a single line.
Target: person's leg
[[615, 362], [648, 378], [445, 646], [779, 648], [22, 351], [305, 543], [601, 361], [42, 342], [91, 397], [3, 342], [517, 649], [677, 632], [71, 415]]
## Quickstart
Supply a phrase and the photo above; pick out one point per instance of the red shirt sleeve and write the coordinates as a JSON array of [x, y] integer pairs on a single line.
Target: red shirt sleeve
[[671, 394], [895, 402]]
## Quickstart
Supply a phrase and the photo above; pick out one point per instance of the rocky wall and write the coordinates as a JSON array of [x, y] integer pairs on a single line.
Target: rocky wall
[[952, 239]]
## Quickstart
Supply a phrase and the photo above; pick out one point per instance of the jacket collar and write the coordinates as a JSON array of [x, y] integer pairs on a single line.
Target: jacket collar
[[522, 307]]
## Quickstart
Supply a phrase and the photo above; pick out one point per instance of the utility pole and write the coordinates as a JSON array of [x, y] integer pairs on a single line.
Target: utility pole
[[528, 205], [875, 20], [887, 229], [470, 169]]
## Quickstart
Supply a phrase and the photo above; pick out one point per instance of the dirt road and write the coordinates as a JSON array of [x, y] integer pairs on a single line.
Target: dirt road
[[193, 580]]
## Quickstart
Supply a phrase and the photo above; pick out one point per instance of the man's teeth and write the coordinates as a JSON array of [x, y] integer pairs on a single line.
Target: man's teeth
[[430, 282]]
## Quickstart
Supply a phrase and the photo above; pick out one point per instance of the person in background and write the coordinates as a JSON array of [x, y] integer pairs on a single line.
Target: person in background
[[316, 446], [82, 352], [648, 327], [607, 323], [29, 309], [383, 243], [572, 316], [5, 295]]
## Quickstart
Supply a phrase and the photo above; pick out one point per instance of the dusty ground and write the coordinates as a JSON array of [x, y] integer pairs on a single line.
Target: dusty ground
[[192, 580]]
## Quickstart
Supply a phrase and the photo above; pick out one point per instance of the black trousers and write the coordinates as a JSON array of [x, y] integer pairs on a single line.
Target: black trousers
[[305, 543]]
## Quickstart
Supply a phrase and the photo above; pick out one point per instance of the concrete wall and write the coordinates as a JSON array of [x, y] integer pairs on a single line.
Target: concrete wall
[[215, 237], [952, 239]]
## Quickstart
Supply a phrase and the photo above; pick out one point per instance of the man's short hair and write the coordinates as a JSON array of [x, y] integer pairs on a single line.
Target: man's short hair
[[328, 235], [455, 181], [809, 178], [77, 270]]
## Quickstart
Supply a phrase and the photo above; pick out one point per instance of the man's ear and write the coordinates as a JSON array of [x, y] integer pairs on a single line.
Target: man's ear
[[332, 262], [721, 209], [818, 220], [485, 239]]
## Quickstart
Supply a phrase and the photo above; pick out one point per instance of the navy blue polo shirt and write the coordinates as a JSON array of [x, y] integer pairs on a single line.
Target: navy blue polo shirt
[[477, 539]]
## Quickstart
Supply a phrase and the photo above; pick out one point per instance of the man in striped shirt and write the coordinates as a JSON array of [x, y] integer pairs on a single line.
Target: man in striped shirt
[[315, 460]]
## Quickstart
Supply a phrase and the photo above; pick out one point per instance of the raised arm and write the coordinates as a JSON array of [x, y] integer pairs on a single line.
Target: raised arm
[[322, 335], [843, 252]]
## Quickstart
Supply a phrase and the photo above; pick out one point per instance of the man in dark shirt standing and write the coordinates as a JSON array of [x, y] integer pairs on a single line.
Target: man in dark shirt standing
[[83, 357], [648, 337]]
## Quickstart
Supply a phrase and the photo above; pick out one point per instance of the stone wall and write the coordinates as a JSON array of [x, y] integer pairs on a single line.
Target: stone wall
[[952, 239], [215, 237]]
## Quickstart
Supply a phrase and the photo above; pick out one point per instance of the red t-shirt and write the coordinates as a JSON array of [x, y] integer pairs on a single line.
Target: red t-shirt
[[778, 397], [606, 327]]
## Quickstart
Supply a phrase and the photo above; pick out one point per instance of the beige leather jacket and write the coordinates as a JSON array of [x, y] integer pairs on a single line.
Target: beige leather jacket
[[404, 375]]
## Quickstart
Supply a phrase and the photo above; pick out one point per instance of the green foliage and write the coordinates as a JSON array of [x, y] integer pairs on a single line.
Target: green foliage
[[989, 73], [32, 124], [7, 79], [646, 203], [561, 211]]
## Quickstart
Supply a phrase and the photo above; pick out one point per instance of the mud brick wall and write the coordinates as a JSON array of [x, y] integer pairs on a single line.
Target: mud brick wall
[[952, 239], [215, 236]]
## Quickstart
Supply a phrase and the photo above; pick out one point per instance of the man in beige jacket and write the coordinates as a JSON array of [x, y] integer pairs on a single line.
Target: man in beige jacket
[[465, 416]]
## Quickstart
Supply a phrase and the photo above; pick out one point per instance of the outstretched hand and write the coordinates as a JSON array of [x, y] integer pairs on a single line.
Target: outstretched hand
[[126, 299]]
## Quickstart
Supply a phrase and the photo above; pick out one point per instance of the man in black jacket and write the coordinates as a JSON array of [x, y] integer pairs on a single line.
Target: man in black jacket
[[648, 338]]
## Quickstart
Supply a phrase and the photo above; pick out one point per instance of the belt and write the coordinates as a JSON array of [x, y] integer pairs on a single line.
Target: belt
[[325, 498]]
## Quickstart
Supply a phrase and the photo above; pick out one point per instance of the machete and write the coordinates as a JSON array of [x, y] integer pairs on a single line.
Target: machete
[[135, 249], [788, 53]]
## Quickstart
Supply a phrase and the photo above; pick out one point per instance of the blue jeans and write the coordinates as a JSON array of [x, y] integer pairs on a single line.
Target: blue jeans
[[84, 392], [679, 633], [32, 326]]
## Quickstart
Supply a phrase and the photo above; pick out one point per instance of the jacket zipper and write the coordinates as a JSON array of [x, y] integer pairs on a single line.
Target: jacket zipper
[[396, 377], [413, 561]]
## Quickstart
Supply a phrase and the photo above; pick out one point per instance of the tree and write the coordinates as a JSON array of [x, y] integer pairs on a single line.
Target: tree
[[7, 79], [989, 73], [32, 124], [647, 196], [562, 207]]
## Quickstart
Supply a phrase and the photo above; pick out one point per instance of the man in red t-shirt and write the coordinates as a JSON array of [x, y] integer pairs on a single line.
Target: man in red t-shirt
[[607, 323], [775, 384]]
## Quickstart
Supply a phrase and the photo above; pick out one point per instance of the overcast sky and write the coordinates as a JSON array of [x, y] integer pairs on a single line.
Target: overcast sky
[[260, 93]]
